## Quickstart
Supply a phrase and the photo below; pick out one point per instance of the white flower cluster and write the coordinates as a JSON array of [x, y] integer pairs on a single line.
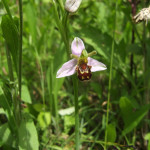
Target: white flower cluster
[[143, 15]]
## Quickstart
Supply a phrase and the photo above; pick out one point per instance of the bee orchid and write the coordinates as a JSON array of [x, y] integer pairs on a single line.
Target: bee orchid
[[81, 63]]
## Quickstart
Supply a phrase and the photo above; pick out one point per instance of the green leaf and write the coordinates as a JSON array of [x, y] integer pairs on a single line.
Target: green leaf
[[111, 133], [44, 119], [126, 109], [57, 86], [135, 119], [134, 48], [97, 88], [147, 137], [11, 36], [131, 121], [30, 16], [5, 135], [26, 95], [2, 111], [69, 121], [38, 107], [102, 44], [28, 138]]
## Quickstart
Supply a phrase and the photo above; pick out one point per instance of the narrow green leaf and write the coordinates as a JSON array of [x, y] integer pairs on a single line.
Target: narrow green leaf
[[28, 138], [5, 104], [11, 36], [30, 16]]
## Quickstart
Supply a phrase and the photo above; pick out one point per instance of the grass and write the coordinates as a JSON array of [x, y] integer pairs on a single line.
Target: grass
[[35, 46]]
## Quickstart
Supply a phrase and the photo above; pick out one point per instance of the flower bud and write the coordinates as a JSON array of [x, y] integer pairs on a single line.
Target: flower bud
[[72, 5]]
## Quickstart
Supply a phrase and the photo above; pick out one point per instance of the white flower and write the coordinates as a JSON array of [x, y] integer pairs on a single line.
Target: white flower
[[81, 63], [143, 15], [72, 5]]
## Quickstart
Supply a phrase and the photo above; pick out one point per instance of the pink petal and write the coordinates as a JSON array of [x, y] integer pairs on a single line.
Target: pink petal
[[77, 46], [96, 65], [67, 69]]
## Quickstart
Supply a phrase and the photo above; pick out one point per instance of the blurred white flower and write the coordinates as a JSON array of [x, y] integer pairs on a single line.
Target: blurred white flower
[[143, 15], [72, 5]]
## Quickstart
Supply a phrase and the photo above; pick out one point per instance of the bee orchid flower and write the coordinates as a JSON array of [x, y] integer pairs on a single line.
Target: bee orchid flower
[[82, 63]]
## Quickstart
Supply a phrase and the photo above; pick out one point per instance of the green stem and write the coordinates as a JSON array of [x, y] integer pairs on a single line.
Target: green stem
[[75, 85], [20, 52], [134, 27], [20, 45], [61, 5], [51, 86], [146, 80], [77, 139], [110, 77], [62, 28], [42, 76], [53, 98]]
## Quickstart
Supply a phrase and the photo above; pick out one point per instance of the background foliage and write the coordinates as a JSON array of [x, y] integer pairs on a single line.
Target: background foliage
[[47, 103]]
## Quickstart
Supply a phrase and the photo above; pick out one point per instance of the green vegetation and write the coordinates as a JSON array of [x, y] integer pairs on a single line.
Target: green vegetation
[[41, 112]]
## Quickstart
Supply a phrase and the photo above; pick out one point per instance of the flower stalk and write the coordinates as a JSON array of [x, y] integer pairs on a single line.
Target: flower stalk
[[75, 86], [77, 137], [110, 78], [20, 54]]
